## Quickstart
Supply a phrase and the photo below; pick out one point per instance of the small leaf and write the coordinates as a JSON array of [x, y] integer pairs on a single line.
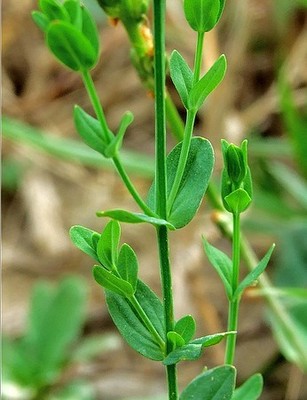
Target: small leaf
[[134, 218], [186, 327], [130, 325], [70, 46], [211, 340], [89, 29], [176, 339], [221, 263], [207, 83], [115, 145], [41, 20], [74, 11], [54, 10], [111, 282], [203, 15], [82, 238], [238, 201], [255, 273], [194, 181], [90, 130], [251, 389], [215, 384], [188, 352], [107, 247], [127, 265], [181, 75]]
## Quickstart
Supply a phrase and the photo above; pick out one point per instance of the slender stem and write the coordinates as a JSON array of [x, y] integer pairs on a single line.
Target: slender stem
[[138, 308], [198, 56], [161, 183], [125, 178], [93, 95], [167, 294], [160, 131], [92, 92], [234, 303]]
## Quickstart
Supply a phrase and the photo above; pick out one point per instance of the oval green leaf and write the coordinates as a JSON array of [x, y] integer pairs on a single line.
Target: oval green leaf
[[207, 83], [182, 76], [194, 181], [131, 327], [111, 282], [251, 389], [127, 265], [82, 238], [186, 327], [107, 246], [215, 384], [70, 46]]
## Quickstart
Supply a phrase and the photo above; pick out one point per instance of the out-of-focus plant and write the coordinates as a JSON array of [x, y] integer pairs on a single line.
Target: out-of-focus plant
[[34, 363]]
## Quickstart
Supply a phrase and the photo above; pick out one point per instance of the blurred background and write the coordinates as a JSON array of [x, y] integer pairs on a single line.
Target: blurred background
[[50, 181]]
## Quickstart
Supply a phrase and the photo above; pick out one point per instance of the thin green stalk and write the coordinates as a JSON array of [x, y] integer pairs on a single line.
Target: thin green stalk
[[167, 294], [161, 184], [138, 308], [93, 95], [125, 178], [188, 131], [90, 87], [234, 303]]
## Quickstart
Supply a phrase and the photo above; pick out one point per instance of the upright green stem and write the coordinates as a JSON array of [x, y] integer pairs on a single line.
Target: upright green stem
[[161, 184], [188, 130], [234, 303], [90, 87], [92, 92]]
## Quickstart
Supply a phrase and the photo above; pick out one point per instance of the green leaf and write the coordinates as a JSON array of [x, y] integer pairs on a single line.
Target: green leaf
[[207, 83], [54, 10], [188, 352], [238, 201], [221, 263], [55, 322], [111, 282], [127, 265], [41, 20], [254, 274], [82, 238], [130, 325], [203, 15], [215, 384], [115, 145], [251, 389], [90, 130], [211, 340], [70, 46], [176, 339], [193, 350], [134, 218], [181, 75], [74, 11], [89, 30], [194, 181], [186, 327], [107, 246]]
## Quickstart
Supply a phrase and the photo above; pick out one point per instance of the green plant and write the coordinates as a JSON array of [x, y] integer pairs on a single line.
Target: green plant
[[180, 182], [34, 363]]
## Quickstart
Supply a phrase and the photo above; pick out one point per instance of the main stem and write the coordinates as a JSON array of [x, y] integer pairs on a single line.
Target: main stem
[[234, 303], [161, 184]]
